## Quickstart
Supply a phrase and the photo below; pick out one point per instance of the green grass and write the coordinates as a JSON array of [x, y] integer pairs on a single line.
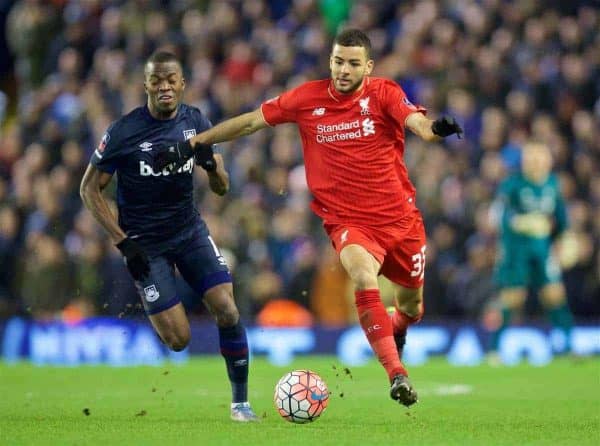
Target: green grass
[[189, 405]]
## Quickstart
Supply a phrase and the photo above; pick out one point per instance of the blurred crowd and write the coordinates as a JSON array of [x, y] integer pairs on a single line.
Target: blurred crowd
[[508, 71]]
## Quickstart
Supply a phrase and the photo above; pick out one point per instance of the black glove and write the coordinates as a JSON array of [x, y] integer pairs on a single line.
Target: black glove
[[446, 126], [173, 156], [205, 158], [135, 258]]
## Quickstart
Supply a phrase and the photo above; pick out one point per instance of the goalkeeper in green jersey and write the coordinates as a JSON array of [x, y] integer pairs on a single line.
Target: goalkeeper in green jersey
[[531, 214]]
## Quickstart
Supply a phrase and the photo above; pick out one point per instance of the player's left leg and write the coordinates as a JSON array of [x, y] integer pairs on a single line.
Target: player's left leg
[[205, 270], [234, 347], [363, 268], [554, 299], [409, 310]]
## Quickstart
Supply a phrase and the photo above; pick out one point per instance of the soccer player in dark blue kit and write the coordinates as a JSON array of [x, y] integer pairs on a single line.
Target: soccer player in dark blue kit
[[159, 228]]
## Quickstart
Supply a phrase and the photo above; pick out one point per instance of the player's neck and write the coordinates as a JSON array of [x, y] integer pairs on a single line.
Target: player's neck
[[161, 116], [344, 96]]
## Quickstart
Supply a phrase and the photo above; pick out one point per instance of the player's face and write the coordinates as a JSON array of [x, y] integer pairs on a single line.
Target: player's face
[[164, 86], [349, 66], [536, 162]]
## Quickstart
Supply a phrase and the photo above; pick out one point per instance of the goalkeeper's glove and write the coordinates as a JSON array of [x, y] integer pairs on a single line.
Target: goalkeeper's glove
[[205, 157], [533, 224], [445, 126], [136, 259], [173, 156]]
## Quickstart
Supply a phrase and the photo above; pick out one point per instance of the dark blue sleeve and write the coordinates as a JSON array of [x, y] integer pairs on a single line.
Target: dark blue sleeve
[[106, 155]]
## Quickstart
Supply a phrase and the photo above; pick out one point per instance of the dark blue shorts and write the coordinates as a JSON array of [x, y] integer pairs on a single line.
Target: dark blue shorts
[[199, 261]]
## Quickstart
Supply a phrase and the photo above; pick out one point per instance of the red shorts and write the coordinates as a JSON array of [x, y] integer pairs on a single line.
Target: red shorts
[[399, 247]]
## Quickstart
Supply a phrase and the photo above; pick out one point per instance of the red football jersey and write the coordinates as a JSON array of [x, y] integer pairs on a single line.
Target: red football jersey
[[353, 148]]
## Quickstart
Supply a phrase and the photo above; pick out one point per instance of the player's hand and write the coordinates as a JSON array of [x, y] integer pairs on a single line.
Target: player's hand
[[533, 224], [136, 259], [445, 126], [173, 156], [205, 157]]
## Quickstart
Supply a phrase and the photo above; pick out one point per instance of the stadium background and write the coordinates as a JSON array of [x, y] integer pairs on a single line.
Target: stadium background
[[506, 70]]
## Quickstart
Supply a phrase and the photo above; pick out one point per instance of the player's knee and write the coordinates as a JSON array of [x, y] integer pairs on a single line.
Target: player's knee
[[412, 306], [363, 279], [553, 295], [177, 341], [227, 316]]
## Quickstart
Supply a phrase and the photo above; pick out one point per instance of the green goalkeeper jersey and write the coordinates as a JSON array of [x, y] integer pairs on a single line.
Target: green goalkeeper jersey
[[531, 203], [530, 216]]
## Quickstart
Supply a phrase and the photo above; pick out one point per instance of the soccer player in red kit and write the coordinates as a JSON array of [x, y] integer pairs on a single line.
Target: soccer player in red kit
[[352, 130]]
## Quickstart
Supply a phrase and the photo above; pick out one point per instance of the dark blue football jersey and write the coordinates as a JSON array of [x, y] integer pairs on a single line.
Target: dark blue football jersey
[[153, 206]]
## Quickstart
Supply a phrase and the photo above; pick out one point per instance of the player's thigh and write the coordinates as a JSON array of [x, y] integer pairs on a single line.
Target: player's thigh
[[513, 268], [221, 304], [360, 253], [513, 297], [157, 290], [162, 305], [360, 265], [406, 256], [172, 326], [553, 295], [545, 269], [201, 264]]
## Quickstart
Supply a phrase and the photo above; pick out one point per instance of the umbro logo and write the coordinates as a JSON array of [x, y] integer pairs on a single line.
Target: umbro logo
[[319, 111], [146, 146]]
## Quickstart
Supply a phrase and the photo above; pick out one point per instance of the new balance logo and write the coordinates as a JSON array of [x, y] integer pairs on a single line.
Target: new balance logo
[[344, 237], [320, 111], [368, 127], [146, 146]]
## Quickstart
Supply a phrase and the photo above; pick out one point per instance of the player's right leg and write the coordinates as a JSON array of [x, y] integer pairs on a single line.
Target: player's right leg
[[165, 311], [512, 301], [363, 268]]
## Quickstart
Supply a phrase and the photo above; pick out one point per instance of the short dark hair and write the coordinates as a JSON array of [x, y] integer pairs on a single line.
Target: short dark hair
[[354, 37], [162, 57]]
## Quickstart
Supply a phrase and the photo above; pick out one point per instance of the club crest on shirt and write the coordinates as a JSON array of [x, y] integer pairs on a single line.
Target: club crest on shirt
[[151, 293], [187, 134], [364, 106]]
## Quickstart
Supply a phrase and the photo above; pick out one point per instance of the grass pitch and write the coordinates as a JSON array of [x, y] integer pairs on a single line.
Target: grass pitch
[[188, 404]]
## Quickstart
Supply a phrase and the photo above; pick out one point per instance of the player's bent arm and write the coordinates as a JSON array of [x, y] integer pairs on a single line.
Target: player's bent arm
[[420, 125], [219, 179], [233, 128], [93, 183]]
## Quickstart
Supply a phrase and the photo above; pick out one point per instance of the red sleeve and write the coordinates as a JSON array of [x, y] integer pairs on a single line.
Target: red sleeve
[[397, 105], [281, 108]]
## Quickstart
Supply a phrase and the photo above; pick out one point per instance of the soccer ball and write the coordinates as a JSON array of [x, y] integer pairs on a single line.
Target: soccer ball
[[301, 396]]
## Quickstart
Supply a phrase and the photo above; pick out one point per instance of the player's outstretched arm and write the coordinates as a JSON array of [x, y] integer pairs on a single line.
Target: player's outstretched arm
[[176, 154], [430, 130]]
